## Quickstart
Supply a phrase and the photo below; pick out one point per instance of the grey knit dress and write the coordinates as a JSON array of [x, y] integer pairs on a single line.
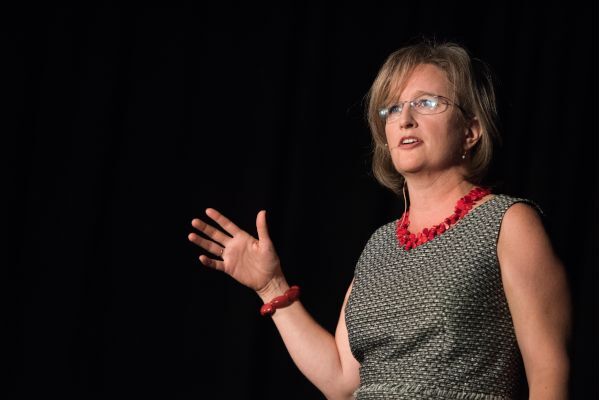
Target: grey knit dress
[[433, 322]]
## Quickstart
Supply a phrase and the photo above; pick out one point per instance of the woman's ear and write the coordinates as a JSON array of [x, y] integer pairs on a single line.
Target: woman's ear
[[472, 133]]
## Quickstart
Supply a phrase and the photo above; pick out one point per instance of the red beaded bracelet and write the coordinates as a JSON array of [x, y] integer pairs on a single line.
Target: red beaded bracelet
[[284, 300]]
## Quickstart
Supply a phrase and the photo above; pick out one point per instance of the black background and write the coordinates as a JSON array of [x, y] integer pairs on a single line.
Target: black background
[[126, 123]]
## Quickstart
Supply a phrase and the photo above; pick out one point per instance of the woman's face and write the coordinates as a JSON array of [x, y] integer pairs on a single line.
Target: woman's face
[[425, 143]]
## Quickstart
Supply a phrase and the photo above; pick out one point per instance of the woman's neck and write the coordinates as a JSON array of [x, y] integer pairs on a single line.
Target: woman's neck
[[433, 198]]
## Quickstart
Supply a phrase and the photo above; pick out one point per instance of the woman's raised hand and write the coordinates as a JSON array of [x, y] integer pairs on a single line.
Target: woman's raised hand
[[253, 263]]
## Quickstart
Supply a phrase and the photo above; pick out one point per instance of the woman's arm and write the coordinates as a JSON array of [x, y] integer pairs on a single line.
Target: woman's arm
[[537, 291], [324, 359]]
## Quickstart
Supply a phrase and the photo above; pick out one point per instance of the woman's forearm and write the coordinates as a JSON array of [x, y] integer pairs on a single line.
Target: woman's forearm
[[312, 348]]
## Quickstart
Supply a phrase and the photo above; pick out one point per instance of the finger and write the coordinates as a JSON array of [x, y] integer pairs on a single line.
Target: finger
[[210, 231], [261, 226], [207, 245], [212, 263], [223, 221]]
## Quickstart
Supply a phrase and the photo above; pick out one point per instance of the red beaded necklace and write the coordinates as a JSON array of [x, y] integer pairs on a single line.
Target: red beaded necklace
[[410, 240]]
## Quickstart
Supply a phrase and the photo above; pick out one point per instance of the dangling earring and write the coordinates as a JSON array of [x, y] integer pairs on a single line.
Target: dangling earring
[[464, 155]]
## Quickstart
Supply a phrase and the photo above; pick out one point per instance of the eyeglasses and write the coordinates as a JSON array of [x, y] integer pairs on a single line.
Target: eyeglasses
[[426, 104]]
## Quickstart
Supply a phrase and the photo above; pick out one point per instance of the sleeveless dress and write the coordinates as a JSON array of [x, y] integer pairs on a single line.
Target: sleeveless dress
[[433, 322]]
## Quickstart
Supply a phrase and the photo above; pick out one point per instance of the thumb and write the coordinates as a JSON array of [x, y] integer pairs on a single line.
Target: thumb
[[261, 226]]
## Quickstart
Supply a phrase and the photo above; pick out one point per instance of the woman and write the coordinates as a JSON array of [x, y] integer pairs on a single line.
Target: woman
[[462, 297]]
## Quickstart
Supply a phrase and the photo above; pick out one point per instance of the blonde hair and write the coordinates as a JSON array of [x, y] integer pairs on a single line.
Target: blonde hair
[[472, 84]]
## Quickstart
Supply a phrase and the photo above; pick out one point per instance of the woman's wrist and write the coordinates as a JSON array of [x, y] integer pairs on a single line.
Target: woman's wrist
[[275, 287]]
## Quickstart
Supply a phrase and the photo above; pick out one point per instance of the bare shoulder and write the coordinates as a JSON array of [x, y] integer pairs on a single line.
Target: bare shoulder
[[521, 222], [523, 244], [520, 215]]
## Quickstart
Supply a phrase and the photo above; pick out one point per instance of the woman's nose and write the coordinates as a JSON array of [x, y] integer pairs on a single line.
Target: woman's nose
[[405, 119]]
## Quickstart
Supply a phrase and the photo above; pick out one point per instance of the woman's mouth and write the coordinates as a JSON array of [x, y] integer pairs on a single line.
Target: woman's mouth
[[409, 143]]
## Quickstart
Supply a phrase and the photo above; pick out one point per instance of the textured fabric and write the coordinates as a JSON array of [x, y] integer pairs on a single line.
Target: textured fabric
[[433, 322]]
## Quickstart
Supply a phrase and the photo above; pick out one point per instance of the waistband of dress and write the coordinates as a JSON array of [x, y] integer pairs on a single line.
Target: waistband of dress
[[404, 388]]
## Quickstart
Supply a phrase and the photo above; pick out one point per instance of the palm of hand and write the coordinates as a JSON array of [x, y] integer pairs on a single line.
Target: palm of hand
[[250, 261]]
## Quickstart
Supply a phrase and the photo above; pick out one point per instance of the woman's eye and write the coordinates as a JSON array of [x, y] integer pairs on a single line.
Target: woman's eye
[[427, 103], [395, 109]]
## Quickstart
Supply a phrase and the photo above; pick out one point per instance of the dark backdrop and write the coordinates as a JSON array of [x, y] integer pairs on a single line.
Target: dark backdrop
[[125, 123]]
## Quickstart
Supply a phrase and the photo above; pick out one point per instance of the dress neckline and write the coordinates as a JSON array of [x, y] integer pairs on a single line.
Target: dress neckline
[[452, 227]]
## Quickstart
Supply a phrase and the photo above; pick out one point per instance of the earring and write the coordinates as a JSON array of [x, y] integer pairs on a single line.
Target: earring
[[385, 145], [464, 155]]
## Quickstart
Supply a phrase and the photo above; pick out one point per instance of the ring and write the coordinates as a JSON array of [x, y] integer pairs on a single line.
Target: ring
[[222, 250]]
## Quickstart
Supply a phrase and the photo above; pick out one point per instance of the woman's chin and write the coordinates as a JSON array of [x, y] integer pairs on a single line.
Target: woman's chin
[[408, 168]]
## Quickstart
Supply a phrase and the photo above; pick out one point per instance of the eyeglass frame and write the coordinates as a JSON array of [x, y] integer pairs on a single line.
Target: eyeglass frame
[[411, 103]]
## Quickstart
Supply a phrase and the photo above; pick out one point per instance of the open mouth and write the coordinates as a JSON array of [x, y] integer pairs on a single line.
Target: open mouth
[[409, 142]]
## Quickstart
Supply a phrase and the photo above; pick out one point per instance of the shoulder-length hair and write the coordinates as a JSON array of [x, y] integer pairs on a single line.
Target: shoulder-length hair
[[472, 85]]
